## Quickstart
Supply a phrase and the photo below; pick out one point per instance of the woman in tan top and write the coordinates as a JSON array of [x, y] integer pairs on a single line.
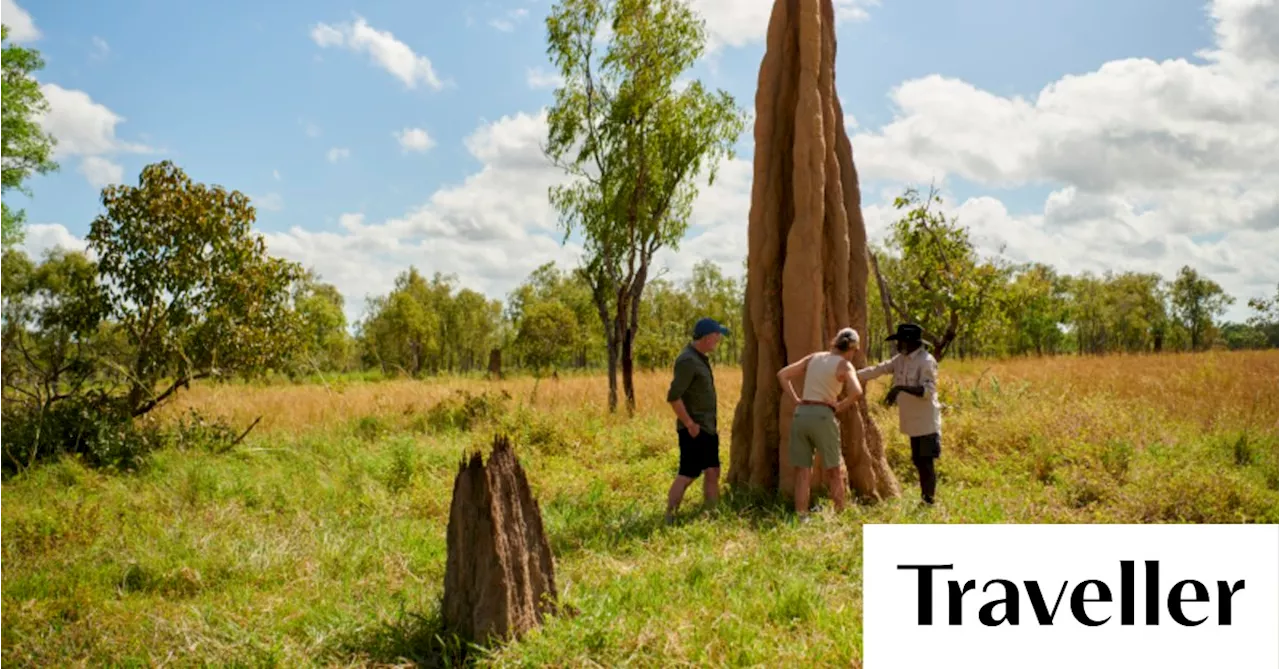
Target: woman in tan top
[[814, 426]]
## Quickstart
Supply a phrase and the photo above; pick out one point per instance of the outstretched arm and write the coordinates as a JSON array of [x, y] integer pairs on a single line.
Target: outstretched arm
[[877, 371]]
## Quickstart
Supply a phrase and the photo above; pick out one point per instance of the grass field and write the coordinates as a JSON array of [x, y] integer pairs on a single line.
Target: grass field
[[320, 540]]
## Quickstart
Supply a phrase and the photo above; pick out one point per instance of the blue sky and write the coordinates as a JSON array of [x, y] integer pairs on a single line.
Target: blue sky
[[1071, 133]]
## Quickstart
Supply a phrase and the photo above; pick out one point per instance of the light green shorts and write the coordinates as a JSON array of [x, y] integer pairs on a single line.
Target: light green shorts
[[814, 428]]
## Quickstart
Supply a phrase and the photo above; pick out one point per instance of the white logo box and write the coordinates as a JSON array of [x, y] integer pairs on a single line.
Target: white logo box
[[1086, 596]]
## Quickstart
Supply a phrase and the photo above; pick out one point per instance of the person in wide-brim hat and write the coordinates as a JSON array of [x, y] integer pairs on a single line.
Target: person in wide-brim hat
[[915, 391]]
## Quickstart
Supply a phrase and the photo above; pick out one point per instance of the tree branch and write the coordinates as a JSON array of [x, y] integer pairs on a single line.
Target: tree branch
[[152, 403]]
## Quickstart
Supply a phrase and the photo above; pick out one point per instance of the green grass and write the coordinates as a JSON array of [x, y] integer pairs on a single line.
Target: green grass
[[327, 546]]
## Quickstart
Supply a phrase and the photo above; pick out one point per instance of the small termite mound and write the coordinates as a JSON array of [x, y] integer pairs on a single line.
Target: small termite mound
[[499, 579]]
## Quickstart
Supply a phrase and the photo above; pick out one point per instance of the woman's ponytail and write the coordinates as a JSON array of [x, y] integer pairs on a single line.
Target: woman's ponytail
[[845, 340]]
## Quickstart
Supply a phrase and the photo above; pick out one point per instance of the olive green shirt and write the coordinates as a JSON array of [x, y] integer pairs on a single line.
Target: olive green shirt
[[696, 386]]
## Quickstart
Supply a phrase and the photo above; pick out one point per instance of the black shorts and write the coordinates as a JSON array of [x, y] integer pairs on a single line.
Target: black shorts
[[928, 446], [698, 453]]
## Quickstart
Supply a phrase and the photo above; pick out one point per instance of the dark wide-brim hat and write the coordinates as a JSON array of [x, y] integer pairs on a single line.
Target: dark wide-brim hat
[[907, 332]]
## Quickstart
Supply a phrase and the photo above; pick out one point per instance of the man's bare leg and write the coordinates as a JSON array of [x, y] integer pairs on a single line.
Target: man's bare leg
[[802, 490], [711, 487], [835, 485], [676, 494]]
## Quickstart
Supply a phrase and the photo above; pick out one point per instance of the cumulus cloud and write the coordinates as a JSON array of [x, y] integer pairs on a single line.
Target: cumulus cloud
[[1143, 157], [337, 153], [382, 47], [22, 29], [734, 23], [414, 139], [40, 238], [496, 226], [81, 126], [85, 129], [101, 172]]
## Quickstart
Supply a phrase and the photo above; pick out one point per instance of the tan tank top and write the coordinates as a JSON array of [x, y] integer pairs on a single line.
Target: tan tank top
[[820, 382]]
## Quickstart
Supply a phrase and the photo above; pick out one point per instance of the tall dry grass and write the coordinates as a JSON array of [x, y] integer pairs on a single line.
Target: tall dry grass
[[1220, 390], [321, 540]]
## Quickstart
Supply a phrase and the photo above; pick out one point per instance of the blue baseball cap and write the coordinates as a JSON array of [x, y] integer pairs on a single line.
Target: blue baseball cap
[[708, 326]]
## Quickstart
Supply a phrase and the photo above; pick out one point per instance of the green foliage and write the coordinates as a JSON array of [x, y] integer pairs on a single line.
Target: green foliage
[[1037, 304], [550, 284], [549, 333], [426, 327], [634, 144], [190, 285], [1266, 311], [1119, 313], [90, 425], [1196, 303], [196, 431], [465, 410], [936, 278], [27, 148], [325, 344]]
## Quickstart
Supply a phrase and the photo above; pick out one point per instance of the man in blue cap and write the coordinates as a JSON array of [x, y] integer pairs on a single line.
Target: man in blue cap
[[692, 396], [915, 374]]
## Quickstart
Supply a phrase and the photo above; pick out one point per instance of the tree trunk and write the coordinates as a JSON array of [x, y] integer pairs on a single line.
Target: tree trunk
[[632, 318], [628, 382], [613, 377]]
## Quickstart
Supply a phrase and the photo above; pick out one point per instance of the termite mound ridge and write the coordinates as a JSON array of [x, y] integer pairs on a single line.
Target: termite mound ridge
[[807, 253]]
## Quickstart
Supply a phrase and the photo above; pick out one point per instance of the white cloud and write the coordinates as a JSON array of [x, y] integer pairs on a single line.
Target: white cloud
[[268, 202], [491, 229], [1144, 157], [275, 174], [311, 129], [414, 139], [81, 126], [100, 48], [537, 77], [101, 172], [22, 28], [337, 153], [507, 22], [389, 53], [85, 128], [739, 22], [40, 238], [496, 226]]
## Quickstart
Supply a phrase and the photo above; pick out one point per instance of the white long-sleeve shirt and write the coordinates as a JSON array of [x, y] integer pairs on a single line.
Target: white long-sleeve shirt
[[917, 416]]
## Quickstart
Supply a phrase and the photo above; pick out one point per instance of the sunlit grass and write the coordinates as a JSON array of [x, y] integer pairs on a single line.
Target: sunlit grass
[[320, 540]]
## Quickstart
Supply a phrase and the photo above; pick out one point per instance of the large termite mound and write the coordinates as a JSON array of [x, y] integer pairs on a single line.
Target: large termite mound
[[499, 579], [807, 252]]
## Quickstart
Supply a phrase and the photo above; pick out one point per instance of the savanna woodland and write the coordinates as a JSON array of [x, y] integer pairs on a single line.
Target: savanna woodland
[[204, 462]]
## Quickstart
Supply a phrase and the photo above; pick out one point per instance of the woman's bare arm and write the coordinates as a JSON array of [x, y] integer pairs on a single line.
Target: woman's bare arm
[[791, 372]]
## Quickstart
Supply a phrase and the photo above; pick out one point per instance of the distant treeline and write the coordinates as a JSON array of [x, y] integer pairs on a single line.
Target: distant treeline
[[431, 326]]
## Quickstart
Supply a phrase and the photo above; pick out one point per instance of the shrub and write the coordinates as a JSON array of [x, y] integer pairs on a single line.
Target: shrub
[[91, 426], [403, 465], [370, 428], [465, 410], [195, 431]]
